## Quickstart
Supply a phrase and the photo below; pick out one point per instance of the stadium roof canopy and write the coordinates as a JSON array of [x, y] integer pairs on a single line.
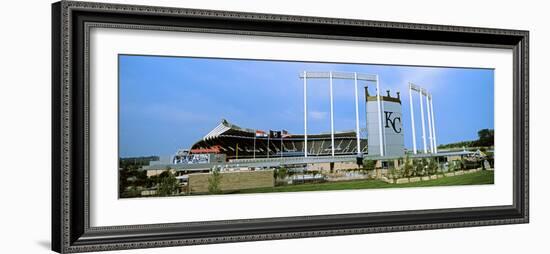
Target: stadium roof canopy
[[238, 142], [223, 127]]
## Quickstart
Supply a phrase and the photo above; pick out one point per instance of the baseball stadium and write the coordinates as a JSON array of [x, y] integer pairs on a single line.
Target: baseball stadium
[[234, 159]]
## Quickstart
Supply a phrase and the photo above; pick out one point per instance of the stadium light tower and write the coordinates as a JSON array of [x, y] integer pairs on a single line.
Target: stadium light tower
[[331, 75], [430, 114]]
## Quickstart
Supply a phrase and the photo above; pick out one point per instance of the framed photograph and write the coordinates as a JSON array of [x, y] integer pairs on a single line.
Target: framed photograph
[[182, 126]]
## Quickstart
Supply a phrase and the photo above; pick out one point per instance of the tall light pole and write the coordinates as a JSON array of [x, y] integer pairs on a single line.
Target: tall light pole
[[379, 105], [423, 128], [305, 114], [428, 111], [433, 124], [331, 114], [357, 117], [412, 119]]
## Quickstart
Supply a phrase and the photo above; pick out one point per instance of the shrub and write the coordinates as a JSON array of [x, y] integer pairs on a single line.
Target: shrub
[[369, 164], [418, 166], [214, 182], [281, 173]]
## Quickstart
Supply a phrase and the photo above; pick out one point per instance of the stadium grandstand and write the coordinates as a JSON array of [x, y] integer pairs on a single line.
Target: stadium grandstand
[[243, 143]]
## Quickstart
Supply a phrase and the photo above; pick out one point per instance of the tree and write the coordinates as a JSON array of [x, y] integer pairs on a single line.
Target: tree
[[131, 179], [408, 168], [422, 167], [214, 182], [131, 176], [168, 183], [486, 137], [432, 166]]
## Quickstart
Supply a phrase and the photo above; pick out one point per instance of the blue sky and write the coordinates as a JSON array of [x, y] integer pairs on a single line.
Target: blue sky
[[166, 103]]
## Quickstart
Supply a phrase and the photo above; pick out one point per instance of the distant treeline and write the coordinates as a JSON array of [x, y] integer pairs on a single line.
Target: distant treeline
[[486, 137], [131, 179], [136, 162]]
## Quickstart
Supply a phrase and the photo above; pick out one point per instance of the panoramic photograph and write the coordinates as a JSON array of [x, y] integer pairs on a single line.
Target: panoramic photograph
[[212, 126]]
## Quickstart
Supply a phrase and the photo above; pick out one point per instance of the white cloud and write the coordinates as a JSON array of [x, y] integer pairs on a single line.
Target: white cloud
[[318, 115]]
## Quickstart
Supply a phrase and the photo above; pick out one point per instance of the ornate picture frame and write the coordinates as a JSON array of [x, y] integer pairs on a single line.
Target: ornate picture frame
[[71, 24]]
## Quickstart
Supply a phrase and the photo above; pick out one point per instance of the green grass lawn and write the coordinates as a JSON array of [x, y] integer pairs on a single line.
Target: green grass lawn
[[481, 177]]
